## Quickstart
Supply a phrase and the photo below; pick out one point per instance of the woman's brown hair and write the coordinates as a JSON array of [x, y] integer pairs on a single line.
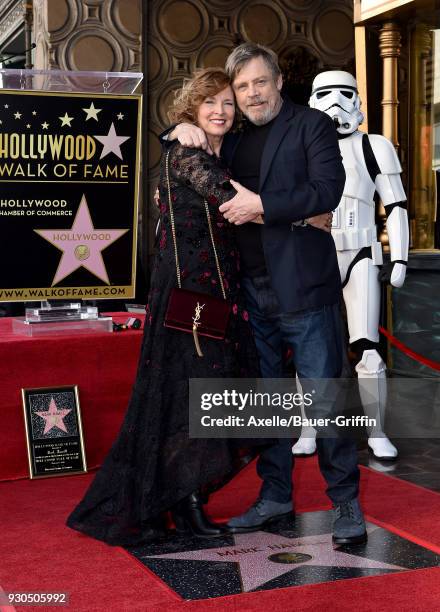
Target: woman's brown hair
[[206, 82]]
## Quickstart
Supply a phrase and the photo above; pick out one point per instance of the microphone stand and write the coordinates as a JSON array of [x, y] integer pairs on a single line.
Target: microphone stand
[[11, 56]]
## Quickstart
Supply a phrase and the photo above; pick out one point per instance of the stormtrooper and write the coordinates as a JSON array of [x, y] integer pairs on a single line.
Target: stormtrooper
[[371, 165]]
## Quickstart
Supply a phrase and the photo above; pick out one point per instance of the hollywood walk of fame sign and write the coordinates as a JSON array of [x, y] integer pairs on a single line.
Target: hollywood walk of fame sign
[[294, 552], [54, 434], [69, 174]]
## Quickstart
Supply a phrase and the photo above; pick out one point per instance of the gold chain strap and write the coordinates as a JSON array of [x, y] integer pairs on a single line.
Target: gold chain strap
[[208, 216], [173, 231]]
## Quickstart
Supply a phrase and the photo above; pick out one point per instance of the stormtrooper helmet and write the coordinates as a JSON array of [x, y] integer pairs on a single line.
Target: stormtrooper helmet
[[335, 92]]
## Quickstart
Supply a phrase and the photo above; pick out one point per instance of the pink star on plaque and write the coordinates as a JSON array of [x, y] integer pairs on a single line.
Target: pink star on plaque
[[54, 417], [81, 245], [112, 142]]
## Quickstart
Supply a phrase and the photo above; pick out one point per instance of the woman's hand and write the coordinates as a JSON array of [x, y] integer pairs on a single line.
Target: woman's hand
[[245, 206], [322, 222]]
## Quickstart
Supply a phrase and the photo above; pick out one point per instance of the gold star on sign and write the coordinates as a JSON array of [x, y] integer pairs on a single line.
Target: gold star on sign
[[28, 125], [6, 105], [45, 125], [92, 112], [120, 116], [34, 113], [17, 115], [66, 120]]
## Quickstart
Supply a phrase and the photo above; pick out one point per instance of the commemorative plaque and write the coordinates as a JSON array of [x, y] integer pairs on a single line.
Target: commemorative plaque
[[54, 436], [69, 178]]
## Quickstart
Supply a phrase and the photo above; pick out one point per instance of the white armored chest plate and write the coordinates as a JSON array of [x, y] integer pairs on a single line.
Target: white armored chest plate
[[353, 221]]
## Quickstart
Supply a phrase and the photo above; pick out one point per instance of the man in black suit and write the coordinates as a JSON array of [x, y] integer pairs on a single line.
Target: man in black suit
[[289, 168]]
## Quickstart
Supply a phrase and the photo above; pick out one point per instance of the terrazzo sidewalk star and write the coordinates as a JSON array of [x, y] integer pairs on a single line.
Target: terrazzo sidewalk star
[[290, 553], [263, 556]]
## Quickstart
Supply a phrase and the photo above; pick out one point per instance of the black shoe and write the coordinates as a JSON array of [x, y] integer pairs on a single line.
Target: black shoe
[[262, 512], [189, 517], [349, 523]]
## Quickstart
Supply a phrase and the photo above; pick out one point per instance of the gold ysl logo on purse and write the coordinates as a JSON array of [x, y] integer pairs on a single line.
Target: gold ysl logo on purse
[[196, 323]]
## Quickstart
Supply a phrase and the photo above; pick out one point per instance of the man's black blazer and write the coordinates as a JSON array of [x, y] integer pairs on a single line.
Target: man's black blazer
[[301, 175]]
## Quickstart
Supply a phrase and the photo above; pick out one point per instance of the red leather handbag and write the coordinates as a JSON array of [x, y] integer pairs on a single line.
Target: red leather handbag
[[193, 312]]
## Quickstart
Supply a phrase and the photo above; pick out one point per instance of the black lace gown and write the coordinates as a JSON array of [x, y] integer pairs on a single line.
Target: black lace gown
[[153, 463]]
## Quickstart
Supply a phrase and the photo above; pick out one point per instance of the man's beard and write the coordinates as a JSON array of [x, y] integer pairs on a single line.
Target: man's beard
[[264, 116]]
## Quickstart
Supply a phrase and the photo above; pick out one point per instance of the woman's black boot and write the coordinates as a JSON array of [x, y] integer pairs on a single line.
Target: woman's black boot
[[189, 517]]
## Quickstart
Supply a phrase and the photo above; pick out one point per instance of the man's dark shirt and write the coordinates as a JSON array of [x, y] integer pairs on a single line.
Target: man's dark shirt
[[246, 170]]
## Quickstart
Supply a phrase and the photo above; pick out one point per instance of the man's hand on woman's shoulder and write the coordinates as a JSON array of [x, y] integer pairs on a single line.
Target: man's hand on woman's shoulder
[[191, 136]]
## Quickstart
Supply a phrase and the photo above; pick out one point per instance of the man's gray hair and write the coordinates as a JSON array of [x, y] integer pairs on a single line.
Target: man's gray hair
[[247, 51]]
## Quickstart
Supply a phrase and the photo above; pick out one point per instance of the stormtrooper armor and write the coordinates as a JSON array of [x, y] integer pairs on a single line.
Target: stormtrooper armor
[[371, 165]]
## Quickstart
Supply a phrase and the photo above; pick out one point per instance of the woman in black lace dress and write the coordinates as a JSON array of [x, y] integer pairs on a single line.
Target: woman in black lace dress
[[153, 466]]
